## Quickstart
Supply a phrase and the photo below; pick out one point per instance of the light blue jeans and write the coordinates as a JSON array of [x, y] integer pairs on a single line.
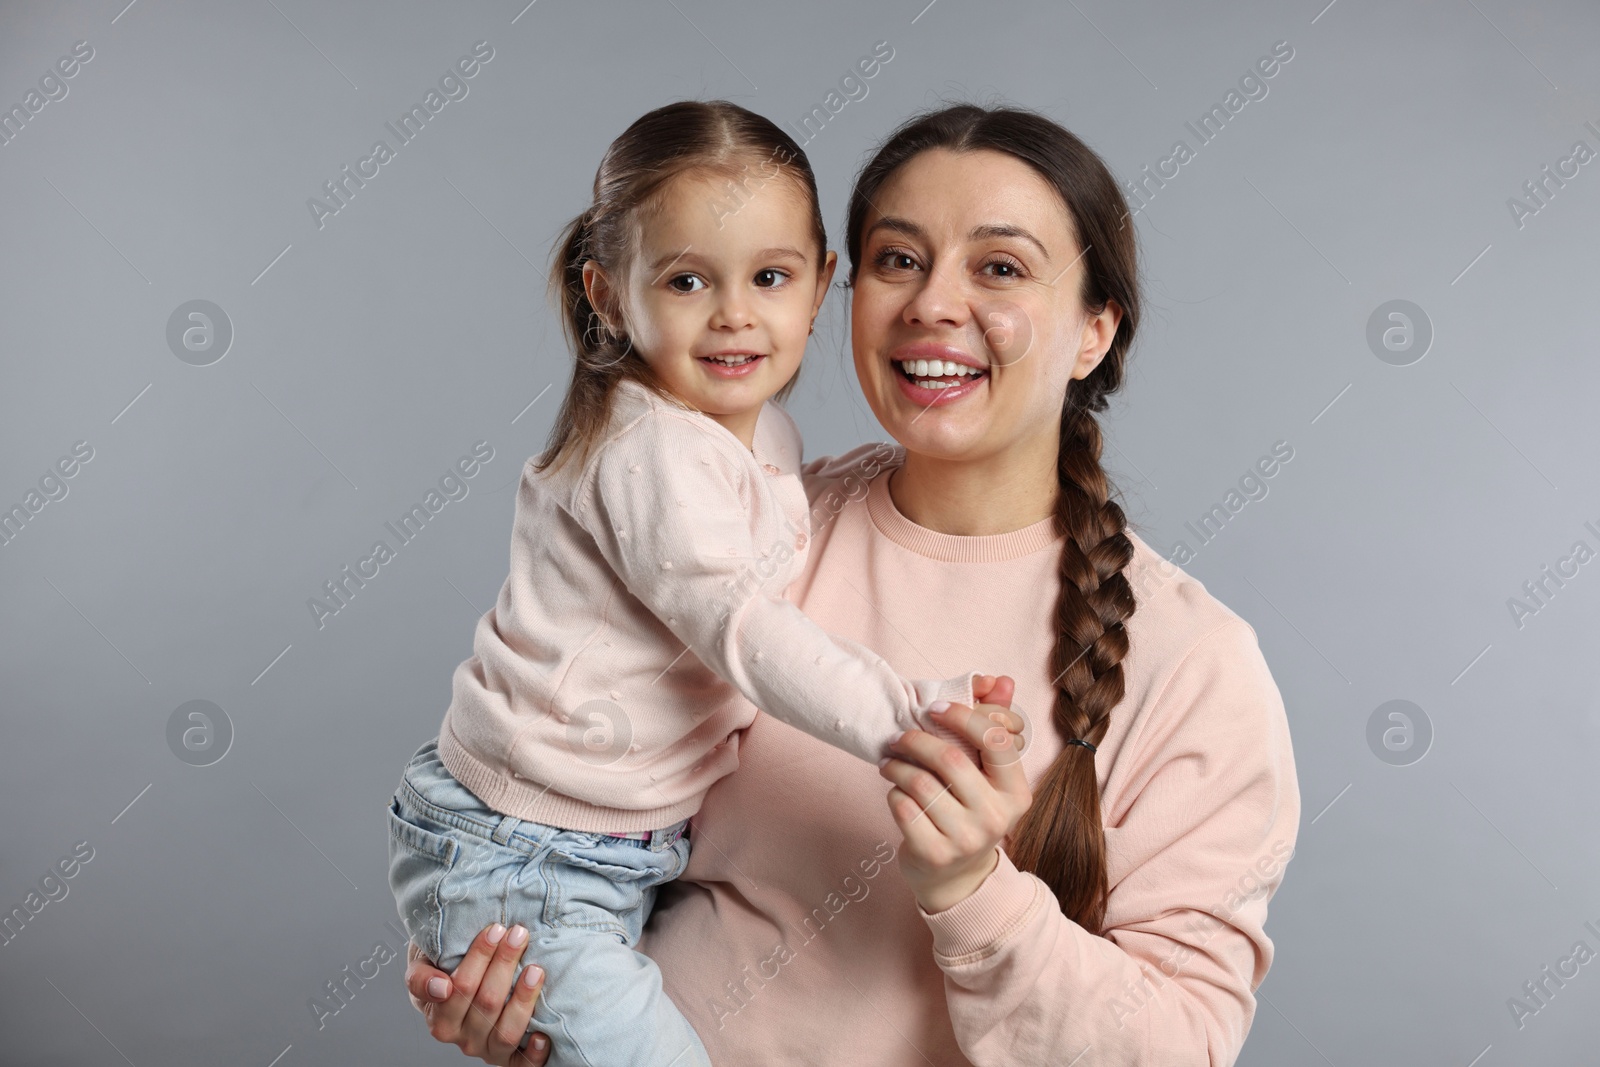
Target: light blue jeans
[[456, 866]]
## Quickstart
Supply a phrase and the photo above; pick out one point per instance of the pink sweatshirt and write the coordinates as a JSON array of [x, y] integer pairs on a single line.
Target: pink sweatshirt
[[643, 580], [792, 938]]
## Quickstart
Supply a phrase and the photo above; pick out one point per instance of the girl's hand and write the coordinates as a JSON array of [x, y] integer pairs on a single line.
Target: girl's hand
[[953, 814], [469, 1008]]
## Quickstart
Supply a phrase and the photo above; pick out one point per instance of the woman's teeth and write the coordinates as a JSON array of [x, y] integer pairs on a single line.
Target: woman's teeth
[[731, 361], [927, 372]]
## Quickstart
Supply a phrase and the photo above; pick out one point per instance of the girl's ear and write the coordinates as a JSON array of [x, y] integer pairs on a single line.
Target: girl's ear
[[824, 277], [597, 287]]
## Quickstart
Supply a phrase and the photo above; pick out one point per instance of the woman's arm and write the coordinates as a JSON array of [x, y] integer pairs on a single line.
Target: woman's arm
[[1204, 818], [469, 1008]]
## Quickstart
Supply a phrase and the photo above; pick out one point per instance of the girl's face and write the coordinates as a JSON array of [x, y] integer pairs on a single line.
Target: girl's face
[[720, 297], [969, 258]]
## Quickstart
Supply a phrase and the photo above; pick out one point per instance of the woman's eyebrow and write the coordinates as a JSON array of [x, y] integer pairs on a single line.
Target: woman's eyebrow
[[1001, 229], [978, 233], [896, 224]]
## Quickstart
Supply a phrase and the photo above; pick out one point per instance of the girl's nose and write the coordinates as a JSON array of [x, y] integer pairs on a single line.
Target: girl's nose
[[733, 312]]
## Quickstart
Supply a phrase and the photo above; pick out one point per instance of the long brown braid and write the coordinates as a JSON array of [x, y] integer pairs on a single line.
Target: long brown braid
[[1061, 838]]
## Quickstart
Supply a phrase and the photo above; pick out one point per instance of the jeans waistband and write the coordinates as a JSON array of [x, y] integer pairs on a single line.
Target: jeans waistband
[[526, 836]]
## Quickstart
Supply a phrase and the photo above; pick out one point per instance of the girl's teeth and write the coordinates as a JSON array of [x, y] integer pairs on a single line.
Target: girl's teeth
[[731, 361]]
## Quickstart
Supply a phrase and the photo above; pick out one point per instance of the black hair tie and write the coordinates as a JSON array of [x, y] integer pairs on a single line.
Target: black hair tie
[[1081, 741]]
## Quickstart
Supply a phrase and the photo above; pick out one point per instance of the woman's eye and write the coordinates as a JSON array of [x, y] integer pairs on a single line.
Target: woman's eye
[[770, 278], [895, 260], [695, 281], [1004, 268]]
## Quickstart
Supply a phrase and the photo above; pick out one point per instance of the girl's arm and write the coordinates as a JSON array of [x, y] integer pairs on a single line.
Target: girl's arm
[[666, 507], [1201, 817]]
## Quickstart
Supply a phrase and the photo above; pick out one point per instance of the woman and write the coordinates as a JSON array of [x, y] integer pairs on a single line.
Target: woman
[[1117, 917]]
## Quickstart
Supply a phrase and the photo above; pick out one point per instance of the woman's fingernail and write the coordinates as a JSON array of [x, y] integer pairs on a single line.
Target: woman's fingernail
[[895, 740], [532, 975], [884, 762], [997, 717], [519, 934], [538, 1042], [939, 705], [437, 988], [496, 932]]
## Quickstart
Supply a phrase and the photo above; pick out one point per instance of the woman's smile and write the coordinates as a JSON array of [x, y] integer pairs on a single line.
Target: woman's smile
[[930, 374]]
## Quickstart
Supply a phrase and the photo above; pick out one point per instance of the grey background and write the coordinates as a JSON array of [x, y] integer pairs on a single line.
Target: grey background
[[376, 350]]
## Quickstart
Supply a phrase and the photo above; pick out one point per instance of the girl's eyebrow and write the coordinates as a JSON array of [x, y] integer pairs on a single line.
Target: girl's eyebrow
[[686, 256], [989, 230], [785, 252]]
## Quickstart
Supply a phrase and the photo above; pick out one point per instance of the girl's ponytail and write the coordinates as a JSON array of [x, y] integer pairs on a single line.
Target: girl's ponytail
[[600, 357]]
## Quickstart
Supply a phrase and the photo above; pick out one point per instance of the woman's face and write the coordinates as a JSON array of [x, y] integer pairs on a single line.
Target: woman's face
[[969, 258]]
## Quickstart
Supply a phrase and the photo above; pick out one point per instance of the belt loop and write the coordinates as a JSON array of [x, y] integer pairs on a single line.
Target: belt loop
[[504, 829]]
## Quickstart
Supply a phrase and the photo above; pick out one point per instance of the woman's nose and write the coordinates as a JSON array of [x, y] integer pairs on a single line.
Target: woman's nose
[[940, 300]]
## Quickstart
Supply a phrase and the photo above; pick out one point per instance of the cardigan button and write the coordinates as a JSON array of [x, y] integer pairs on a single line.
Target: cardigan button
[[769, 468], [800, 540]]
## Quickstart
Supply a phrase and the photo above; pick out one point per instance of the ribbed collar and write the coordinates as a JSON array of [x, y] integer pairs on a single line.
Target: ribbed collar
[[951, 548], [766, 445]]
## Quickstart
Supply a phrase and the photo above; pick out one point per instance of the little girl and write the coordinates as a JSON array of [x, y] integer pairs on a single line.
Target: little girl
[[643, 621]]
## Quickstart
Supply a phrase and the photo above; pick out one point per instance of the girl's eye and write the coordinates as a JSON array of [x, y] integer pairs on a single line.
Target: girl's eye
[[895, 259], [776, 278], [673, 284]]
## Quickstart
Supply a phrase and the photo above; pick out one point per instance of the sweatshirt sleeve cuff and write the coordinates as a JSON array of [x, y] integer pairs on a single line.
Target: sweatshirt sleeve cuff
[[959, 690], [989, 917], [956, 690]]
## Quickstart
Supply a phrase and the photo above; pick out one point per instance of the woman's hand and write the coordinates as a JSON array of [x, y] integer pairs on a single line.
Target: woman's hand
[[953, 814], [469, 1008]]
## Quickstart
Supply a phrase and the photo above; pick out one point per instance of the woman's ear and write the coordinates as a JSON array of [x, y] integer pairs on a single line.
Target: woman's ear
[[1098, 332]]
